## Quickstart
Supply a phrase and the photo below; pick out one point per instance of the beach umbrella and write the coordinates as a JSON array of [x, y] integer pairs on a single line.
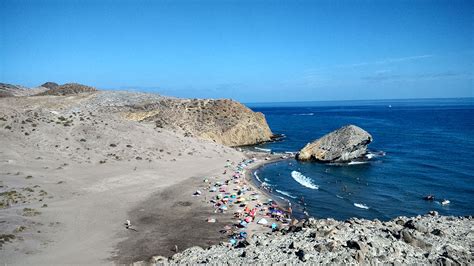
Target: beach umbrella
[[252, 212], [274, 226], [223, 207], [262, 221], [248, 219]]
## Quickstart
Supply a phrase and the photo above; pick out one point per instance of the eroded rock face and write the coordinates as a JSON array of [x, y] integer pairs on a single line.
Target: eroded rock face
[[223, 121], [344, 144]]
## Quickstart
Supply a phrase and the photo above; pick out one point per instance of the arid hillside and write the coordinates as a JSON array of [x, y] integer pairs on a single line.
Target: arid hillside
[[222, 121]]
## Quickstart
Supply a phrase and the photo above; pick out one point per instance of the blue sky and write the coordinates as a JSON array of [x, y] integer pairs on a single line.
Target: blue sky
[[252, 51]]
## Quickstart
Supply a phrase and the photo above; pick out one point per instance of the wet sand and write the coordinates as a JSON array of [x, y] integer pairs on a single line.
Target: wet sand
[[168, 219]]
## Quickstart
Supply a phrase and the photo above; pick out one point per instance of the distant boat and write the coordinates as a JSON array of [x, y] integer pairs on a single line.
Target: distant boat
[[389, 106]]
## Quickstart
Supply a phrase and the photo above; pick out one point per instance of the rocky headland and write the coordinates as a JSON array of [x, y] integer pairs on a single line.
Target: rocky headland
[[223, 121]]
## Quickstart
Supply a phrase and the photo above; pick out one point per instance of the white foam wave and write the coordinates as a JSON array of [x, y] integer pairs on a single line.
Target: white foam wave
[[339, 196], [256, 176], [285, 193], [262, 149], [305, 114], [357, 162], [303, 180], [372, 155], [362, 206]]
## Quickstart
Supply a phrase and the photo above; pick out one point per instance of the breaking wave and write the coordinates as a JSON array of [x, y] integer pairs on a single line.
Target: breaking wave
[[357, 162], [285, 193], [256, 176], [303, 180], [362, 206]]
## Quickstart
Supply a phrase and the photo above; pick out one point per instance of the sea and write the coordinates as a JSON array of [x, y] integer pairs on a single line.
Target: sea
[[420, 147]]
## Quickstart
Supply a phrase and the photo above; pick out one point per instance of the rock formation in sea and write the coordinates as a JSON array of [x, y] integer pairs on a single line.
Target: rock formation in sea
[[341, 145]]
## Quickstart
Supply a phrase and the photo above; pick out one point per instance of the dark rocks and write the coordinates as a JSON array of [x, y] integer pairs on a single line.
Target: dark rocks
[[354, 244], [417, 226], [347, 143], [50, 85], [68, 89], [414, 240], [301, 254], [437, 232], [243, 244]]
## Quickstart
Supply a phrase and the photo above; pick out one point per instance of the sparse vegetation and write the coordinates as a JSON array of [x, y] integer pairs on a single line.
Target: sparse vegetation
[[6, 238], [20, 228], [30, 212]]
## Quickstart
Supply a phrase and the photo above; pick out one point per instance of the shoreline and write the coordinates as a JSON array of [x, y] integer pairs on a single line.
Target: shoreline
[[192, 228], [252, 179]]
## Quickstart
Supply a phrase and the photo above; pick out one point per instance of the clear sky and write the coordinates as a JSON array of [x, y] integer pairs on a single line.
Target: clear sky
[[252, 51]]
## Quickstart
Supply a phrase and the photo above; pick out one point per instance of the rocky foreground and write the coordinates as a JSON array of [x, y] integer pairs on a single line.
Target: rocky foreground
[[429, 239]]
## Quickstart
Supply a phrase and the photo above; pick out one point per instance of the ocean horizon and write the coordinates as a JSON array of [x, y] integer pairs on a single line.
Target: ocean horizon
[[429, 101]]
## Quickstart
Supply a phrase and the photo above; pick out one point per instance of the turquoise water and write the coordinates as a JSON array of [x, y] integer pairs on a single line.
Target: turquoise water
[[428, 146]]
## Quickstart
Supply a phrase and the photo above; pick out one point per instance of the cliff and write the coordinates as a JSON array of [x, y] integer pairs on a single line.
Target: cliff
[[223, 121]]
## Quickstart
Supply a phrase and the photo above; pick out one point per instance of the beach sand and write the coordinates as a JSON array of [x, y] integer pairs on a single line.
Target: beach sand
[[71, 176], [68, 190]]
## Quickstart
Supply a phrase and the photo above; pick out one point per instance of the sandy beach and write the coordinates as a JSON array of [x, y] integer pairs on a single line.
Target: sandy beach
[[69, 189]]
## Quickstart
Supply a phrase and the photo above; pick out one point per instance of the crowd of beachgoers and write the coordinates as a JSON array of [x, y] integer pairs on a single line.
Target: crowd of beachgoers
[[253, 211]]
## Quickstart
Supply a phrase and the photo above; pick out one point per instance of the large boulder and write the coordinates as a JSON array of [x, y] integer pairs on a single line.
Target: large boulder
[[342, 145]]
